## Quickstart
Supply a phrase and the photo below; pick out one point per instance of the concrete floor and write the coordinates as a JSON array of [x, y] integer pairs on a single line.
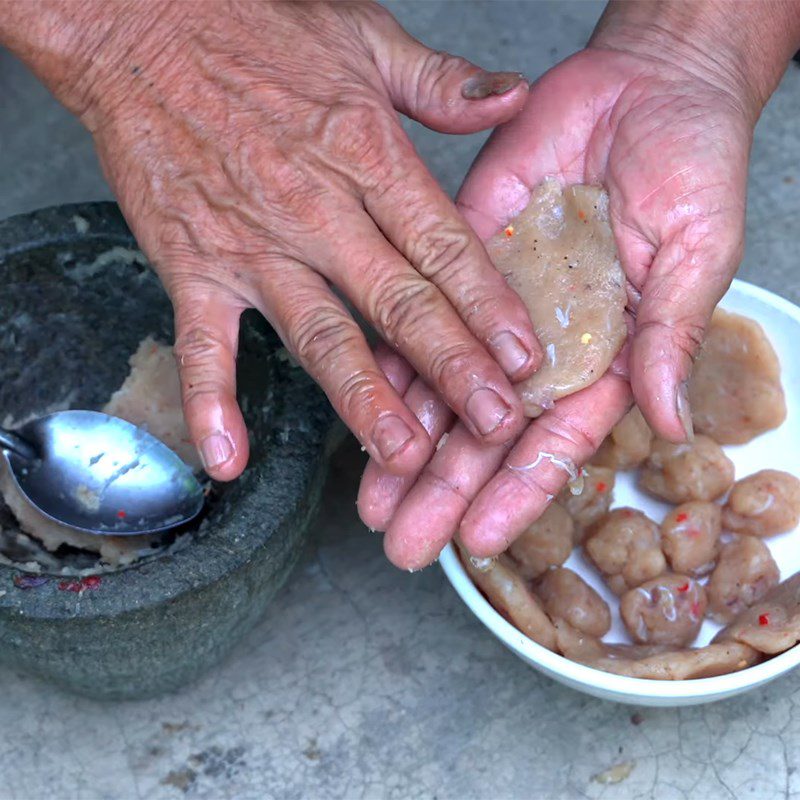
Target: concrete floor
[[363, 681]]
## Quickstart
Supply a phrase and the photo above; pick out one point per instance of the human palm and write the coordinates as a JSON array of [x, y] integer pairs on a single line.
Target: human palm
[[671, 148]]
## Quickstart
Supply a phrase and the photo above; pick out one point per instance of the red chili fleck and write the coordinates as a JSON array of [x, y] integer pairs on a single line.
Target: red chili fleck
[[684, 588], [763, 619], [681, 517], [601, 487], [81, 585], [695, 609], [582, 215], [121, 514], [509, 231]]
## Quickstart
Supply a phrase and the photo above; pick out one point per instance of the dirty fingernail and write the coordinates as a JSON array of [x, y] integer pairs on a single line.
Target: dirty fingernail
[[487, 410], [483, 84], [215, 450], [390, 435], [510, 352], [684, 412]]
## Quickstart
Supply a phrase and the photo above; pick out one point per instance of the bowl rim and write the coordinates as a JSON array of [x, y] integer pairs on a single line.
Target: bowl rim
[[620, 685]]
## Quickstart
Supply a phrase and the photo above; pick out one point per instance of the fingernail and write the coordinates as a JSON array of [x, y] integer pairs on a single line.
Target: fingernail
[[215, 450], [684, 412], [510, 352], [483, 84], [390, 435], [487, 410]]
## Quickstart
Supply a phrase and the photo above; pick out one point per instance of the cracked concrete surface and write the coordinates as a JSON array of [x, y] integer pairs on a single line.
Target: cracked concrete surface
[[363, 681]]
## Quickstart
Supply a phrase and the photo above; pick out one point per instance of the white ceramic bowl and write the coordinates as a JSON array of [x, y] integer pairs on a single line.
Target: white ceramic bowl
[[777, 449]]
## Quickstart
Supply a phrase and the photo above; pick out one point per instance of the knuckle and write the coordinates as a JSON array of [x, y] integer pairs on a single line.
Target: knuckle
[[574, 437], [201, 354], [449, 364], [354, 397], [401, 304], [434, 74], [531, 484], [441, 255], [441, 483], [200, 348], [686, 333], [292, 191], [318, 336], [355, 135]]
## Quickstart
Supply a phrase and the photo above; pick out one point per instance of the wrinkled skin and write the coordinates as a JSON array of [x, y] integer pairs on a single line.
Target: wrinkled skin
[[655, 662], [628, 444], [625, 546], [567, 596], [257, 153], [671, 146], [667, 610], [511, 596], [690, 537], [678, 473], [590, 504], [763, 504], [546, 543], [772, 625], [745, 572]]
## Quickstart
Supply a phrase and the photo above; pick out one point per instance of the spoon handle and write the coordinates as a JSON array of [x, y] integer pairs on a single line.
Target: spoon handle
[[16, 444]]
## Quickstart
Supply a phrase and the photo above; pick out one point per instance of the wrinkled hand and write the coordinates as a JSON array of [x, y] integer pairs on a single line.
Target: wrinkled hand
[[671, 144], [256, 152]]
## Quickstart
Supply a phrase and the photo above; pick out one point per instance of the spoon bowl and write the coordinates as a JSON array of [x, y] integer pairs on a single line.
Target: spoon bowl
[[100, 474]]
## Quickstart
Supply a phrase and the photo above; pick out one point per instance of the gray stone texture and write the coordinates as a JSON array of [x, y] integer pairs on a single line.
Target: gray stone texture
[[362, 681], [78, 298]]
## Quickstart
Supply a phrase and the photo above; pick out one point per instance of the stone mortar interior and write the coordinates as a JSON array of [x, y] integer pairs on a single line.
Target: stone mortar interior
[[76, 309]]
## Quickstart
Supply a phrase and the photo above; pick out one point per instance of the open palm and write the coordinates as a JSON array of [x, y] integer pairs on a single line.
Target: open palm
[[672, 149]]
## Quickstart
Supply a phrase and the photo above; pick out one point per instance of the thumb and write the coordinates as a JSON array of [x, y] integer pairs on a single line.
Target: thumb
[[683, 287], [443, 92]]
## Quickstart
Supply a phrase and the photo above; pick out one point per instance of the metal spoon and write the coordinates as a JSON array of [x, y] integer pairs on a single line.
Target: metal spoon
[[100, 474]]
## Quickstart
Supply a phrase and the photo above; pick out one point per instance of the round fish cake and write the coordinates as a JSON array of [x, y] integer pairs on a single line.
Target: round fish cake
[[625, 546], [697, 470], [735, 391], [666, 610], [592, 502], [567, 596], [773, 624], [745, 572], [690, 537], [763, 504], [544, 544], [559, 256], [628, 444]]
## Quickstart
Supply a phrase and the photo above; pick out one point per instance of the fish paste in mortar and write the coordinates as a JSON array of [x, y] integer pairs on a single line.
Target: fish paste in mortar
[[559, 255]]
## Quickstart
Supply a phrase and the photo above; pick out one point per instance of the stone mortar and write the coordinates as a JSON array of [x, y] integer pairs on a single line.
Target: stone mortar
[[77, 298]]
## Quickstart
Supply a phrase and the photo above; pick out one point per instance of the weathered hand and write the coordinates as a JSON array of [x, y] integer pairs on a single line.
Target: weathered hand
[[670, 141], [256, 151]]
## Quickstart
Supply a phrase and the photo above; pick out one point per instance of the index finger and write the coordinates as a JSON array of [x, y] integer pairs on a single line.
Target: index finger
[[424, 225]]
